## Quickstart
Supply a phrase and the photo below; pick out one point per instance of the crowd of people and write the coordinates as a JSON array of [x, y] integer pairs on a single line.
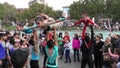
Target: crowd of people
[[42, 39]]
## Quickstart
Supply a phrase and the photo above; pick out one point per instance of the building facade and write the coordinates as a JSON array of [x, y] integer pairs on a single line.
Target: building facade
[[36, 1]]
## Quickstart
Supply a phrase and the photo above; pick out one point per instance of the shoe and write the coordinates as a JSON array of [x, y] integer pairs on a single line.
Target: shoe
[[66, 62], [74, 60], [60, 57], [69, 61]]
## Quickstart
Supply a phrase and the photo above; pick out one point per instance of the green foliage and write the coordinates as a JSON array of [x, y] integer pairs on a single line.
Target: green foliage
[[33, 10], [96, 8]]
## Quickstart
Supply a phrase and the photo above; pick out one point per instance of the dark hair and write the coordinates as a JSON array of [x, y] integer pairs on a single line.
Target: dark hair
[[11, 40], [60, 35], [98, 36], [39, 18], [46, 29], [84, 13], [87, 39], [118, 50], [16, 34], [77, 37], [31, 41], [1, 35], [101, 35], [50, 43]]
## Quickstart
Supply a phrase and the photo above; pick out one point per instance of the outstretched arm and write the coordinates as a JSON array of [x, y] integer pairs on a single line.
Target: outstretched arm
[[76, 23]]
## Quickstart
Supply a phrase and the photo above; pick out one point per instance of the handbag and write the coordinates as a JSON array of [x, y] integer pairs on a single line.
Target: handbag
[[106, 57]]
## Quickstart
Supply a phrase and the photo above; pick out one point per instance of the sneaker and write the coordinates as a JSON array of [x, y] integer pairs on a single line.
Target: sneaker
[[74, 60], [65, 62], [78, 60], [69, 61]]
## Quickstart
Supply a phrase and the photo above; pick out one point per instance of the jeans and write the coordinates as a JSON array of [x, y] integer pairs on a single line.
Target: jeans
[[67, 55]]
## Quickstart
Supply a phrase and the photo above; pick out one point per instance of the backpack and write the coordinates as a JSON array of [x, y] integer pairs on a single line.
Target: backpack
[[19, 57]]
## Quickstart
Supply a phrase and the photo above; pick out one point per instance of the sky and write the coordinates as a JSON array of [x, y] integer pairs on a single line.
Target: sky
[[55, 4]]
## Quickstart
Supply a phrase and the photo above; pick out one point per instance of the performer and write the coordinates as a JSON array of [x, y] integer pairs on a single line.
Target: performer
[[40, 21], [86, 22]]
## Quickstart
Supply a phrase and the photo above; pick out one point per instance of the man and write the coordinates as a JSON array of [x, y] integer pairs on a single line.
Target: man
[[4, 57]]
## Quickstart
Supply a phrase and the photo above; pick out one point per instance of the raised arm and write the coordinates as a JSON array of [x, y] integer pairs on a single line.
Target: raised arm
[[55, 36], [35, 36], [92, 23]]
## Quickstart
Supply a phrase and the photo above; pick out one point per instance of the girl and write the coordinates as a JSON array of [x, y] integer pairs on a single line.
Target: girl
[[35, 54], [105, 48], [52, 52], [97, 53], [67, 52], [60, 42], [76, 47]]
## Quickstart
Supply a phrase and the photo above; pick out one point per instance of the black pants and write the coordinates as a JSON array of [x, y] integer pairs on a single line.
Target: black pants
[[76, 54], [52, 67], [5, 64], [62, 50], [98, 60], [67, 55], [34, 64], [106, 64], [87, 59]]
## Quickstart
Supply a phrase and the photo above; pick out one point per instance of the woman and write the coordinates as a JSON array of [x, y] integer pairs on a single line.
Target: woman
[[60, 42], [76, 47], [52, 52], [105, 48], [35, 54], [66, 39], [115, 56], [97, 53]]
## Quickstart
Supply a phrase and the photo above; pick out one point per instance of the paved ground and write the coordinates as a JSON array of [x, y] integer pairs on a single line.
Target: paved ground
[[62, 64], [67, 65]]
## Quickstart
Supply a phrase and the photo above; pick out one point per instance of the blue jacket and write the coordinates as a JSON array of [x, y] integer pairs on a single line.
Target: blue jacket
[[2, 51]]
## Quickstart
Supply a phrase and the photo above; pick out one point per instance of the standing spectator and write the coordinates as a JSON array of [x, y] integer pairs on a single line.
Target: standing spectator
[[4, 57], [116, 43], [60, 43], [86, 53], [97, 53], [76, 47], [66, 38], [67, 52], [52, 52], [116, 57], [105, 48], [35, 54]]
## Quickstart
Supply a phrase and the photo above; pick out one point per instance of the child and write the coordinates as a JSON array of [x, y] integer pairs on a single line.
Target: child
[[86, 22], [67, 52]]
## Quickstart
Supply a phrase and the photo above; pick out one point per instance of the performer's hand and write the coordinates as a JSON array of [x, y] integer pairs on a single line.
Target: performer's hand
[[70, 26], [54, 27]]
